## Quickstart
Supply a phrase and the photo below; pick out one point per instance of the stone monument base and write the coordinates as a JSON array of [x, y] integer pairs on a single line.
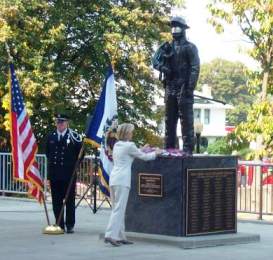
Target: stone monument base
[[196, 241], [191, 196]]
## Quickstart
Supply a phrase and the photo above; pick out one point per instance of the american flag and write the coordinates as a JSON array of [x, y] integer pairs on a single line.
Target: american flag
[[23, 142]]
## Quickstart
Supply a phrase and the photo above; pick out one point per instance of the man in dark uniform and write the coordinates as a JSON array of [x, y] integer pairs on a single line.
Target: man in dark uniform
[[62, 150], [178, 63]]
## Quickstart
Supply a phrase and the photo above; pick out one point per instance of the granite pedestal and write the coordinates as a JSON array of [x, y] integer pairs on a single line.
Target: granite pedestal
[[186, 183]]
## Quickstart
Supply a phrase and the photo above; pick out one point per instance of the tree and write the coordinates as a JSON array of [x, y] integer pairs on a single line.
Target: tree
[[256, 22], [61, 49], [228, 82], [259, 128]]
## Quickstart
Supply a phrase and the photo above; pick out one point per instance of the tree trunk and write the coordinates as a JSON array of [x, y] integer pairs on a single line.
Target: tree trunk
[[267, 69], [264, 85]]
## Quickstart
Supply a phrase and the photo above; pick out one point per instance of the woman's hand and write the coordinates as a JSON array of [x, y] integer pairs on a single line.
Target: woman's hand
[[158, 151], [146, 146]]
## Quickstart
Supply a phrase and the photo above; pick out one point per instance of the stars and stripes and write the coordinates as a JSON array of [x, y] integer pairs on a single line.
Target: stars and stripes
[[24, 146]]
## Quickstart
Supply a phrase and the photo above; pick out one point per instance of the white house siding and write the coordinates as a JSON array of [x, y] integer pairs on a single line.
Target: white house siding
[[216, 127], [217, 124]]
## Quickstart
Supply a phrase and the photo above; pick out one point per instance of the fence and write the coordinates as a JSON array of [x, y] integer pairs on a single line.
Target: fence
[[10, 186], [254, 178], [84, 185], [255, 188]]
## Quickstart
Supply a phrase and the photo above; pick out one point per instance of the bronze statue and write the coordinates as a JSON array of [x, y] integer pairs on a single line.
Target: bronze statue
[[178, 64]]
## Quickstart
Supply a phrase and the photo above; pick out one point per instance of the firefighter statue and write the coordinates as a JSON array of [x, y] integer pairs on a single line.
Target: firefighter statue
[[178, 64]]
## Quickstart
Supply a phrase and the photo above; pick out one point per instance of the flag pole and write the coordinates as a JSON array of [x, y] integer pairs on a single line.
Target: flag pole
[[56, 229], [46, 211], [10, 59], [95, 181], [70, 184], [105, 113]]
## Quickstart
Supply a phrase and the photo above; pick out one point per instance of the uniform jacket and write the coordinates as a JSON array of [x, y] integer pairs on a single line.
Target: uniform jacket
[[183, 64], [124, 153], [61, 155]]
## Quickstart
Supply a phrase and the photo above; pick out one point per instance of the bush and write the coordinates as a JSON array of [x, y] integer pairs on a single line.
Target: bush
[[220, 146]]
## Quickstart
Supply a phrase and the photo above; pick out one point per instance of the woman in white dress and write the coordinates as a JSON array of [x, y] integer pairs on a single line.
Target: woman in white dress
[[124, 153]]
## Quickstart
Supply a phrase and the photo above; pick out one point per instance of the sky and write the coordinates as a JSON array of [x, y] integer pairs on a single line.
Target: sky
[[229, 45]]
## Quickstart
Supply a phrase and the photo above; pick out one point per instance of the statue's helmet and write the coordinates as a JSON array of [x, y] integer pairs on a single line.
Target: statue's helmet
[[179, 21]]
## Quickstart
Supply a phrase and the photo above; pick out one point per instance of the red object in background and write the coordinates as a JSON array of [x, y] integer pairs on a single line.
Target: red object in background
[[268, 180], [265, 168], [229, 129], [242, 169], [247, 171], [250, 175]]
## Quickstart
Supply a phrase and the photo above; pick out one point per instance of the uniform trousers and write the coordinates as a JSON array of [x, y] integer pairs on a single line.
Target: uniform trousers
[[184, 112], [116, 226], [58, 191]]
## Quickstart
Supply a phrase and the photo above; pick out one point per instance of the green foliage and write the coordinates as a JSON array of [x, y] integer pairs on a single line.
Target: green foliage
[[220, 146], [238, 114], [256, 21], [144, 135], [228, 82], [61, 50], [245, 154], [259, 125]]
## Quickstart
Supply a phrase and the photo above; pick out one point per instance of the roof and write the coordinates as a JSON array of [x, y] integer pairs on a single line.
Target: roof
[[209, 102]]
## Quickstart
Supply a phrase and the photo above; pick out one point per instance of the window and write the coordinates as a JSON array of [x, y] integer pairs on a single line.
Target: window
[[207, 116], [197, 114]]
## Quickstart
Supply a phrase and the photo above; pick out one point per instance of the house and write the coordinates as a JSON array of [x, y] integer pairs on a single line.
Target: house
[[209, 113]]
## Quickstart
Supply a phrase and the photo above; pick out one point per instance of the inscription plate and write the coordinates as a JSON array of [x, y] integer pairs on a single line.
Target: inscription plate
[[150, 185], [211, 201]]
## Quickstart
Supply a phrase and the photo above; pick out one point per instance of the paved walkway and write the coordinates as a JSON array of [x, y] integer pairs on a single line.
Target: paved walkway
[[21, 238]]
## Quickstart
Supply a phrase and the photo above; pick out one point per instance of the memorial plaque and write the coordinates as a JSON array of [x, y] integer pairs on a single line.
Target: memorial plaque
[[211, 201], [150, 185]]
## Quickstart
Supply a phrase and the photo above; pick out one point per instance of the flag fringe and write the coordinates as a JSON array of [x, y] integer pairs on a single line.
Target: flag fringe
[[91, 142]]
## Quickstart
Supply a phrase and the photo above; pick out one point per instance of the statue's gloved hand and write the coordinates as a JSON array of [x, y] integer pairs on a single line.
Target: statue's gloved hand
[[188, 93], [165, 70]]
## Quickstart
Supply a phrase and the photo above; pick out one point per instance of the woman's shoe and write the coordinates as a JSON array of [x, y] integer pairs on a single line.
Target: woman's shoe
[[113, 242], [125, 242]]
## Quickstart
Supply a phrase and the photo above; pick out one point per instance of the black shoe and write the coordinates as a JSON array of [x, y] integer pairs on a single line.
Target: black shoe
[[187, 153], [69, 230], [113, 242], [125, 242]]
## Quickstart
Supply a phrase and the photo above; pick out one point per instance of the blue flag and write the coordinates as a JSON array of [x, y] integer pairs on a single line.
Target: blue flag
[[102, 127]]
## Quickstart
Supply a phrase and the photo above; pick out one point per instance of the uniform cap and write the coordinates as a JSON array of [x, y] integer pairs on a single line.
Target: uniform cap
[[179, 21], [61, 117]]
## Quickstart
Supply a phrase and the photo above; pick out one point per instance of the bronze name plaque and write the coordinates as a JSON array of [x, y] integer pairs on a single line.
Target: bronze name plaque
[[150, 185], [211, 201]]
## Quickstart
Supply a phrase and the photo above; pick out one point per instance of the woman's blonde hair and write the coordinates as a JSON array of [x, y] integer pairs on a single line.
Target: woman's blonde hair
[[124, 130]]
